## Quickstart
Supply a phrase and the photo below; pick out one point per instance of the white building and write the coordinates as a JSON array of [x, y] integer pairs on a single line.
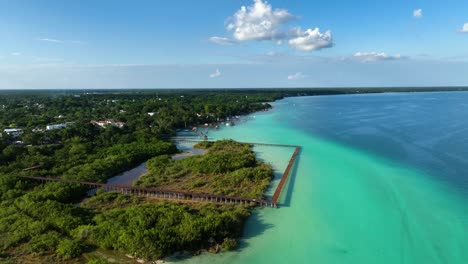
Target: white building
[[57, 126], [14, 132], [108, 122]]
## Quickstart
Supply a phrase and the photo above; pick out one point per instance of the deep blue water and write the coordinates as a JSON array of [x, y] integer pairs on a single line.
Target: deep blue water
[[428, 131]]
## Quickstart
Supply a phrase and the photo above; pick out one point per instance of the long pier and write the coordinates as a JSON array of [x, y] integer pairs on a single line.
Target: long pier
[[181, 195], [189, 140], [160, 193], [286, 173], [285, 176]]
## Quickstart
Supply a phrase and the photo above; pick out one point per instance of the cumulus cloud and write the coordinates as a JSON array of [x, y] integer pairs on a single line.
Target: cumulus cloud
[[418, 13], [259, 22], [296, 76], [311, 39], [376, 56], [223, 41], [215, 74], [464, 28]]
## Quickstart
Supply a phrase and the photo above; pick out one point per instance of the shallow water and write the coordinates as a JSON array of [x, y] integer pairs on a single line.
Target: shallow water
[[128, 177], [380, 179]]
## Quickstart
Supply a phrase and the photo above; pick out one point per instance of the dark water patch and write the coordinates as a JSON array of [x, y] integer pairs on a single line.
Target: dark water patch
[[289, 187], [128, 177], [255, 226]]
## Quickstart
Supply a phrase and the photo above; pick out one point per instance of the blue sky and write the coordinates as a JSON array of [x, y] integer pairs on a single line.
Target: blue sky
[[232, 43]]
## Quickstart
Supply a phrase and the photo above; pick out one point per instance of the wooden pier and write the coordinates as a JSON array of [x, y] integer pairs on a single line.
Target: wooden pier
[[181, 195], [286, 173], [285, 176], [190, 140], [159, 193]]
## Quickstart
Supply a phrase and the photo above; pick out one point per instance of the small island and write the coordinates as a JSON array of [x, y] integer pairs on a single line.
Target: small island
[[227, 168]]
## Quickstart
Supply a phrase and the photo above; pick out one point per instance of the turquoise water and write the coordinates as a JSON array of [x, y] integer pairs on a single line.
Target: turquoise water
[[389, 199]]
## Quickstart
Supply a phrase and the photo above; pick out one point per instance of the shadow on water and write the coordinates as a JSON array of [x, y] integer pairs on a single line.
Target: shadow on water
[[254, 226], [291, 181]]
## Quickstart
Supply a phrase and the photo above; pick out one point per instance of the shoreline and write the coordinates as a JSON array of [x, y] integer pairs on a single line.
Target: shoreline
[[318, 93], [363, 188]]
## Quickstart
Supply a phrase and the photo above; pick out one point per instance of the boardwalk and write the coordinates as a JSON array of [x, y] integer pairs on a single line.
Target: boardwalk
[[285, 176], [286, 172], [159, 193], [191, 140], [180, 195]]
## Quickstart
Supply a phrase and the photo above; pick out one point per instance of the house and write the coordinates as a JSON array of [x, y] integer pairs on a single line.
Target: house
[[119, 124], [57, 126], [102, 123], [13, 132], [108, 122]]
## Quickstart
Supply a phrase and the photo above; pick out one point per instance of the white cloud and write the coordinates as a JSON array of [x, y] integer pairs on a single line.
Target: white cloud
[[51, 40], [311, 39], [215, 74], [259, 22], [376, 56], [418, 13], [295, 76], [464, 28], [223, 41], [16, 54]]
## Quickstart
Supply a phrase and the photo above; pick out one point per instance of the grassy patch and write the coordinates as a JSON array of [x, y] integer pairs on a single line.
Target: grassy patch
[[227, 168]]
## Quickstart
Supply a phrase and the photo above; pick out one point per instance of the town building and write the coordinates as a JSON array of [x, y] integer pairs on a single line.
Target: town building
[[108, 122], [13, 132]]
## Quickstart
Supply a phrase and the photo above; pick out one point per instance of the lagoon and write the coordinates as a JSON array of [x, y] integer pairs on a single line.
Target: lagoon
[[381, 178]]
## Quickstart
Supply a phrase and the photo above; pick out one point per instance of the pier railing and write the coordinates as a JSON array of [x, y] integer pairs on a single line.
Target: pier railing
[[159, 193], [286, 173], [182, 195], [285, 176], [189, 140]]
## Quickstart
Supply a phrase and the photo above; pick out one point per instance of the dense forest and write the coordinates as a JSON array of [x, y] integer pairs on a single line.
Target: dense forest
[[94, 135]]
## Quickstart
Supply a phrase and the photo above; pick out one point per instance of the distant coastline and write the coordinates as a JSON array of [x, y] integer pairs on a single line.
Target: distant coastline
[[287, 92]]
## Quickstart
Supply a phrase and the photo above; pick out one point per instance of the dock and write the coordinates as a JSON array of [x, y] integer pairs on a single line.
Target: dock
[[181, 195], [285, 176], [157, 193], [286, 173]]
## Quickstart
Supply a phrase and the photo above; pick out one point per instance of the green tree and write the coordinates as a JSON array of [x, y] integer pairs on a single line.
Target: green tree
[[69, 249]]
